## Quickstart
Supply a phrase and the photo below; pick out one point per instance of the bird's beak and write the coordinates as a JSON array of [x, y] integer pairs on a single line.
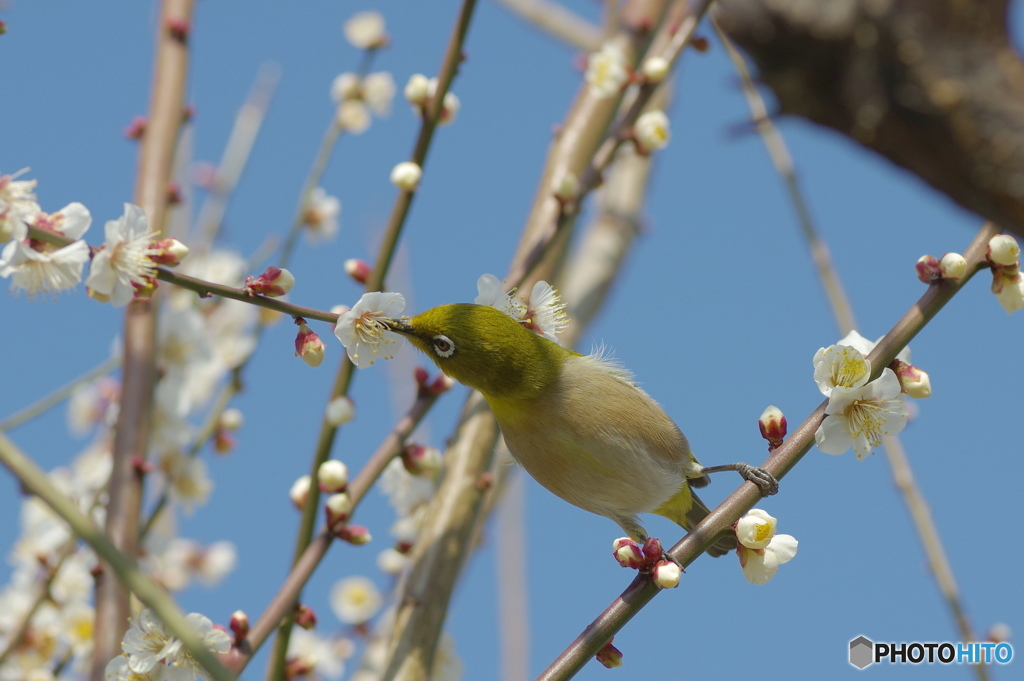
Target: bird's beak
[[399, 326]]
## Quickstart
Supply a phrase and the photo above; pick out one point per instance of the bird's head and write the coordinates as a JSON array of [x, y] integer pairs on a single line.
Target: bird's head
[[485, 349]]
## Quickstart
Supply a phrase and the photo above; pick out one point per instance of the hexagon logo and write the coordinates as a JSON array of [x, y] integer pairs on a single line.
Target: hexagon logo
[[862, 652]]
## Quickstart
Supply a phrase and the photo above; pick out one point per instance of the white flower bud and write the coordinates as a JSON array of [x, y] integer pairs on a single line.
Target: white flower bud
[[231, 419], [1003, 249], [652, 131], [417, 90], [339, 411], [332, 476], [666, 574], [566, 187], [300, 491], [450, 108], [655, 69], [338, 507], [952, 266], [392, 561], [285, 280], [406, 175]]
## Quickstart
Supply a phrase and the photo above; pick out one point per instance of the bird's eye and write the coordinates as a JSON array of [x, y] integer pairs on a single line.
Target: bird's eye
[[443, 346]]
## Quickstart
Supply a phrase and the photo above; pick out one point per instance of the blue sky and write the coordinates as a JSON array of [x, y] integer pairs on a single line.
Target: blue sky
[[718, 313]]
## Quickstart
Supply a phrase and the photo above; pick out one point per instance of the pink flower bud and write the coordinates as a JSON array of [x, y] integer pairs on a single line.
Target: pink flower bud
[[305, 617], [773, 426], [627, 553], [274, 282], [357, 535], [420, 460], [308, 345], [609, 656], [136, 128], [652, 551], [913, 381], [928, 269], [359, 270], [169, 252], [239, 626]]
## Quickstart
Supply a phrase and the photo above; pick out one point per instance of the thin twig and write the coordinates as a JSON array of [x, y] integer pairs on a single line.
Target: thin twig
[[559, 21], [248, 122], [59, 395]]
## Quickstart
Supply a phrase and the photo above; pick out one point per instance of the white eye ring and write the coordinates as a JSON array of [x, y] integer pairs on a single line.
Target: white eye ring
[[443, 346]]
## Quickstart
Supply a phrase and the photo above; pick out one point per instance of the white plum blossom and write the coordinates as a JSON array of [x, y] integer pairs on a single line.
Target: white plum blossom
[[38, 267], [366, 31], [760, 550], [355, 600], [491, 292], [543, 313], [755, 529], [607, 71], [760, 565], [859, 416], [17, 206], [1008, 289], [125, 261], [365, 337], [378, 91], [153, 651], [840, 366], [321, 217], [353, 116], [325, 657]]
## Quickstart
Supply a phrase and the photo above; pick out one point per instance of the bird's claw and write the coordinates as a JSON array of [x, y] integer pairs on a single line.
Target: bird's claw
[[764, 480]]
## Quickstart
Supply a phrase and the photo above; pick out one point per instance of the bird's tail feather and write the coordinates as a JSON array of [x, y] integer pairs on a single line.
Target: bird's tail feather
[[687, 510]]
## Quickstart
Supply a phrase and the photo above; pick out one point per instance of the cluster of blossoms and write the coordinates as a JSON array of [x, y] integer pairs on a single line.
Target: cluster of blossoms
[[199, 342], [359, 97], [758, 547], [122, 268], [364, 332], [859, 411]]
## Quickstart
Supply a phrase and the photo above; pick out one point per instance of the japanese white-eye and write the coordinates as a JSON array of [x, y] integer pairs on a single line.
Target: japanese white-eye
[[577, 423]]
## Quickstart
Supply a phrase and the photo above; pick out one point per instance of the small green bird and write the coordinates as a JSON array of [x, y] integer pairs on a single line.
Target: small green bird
[[577, 423]]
